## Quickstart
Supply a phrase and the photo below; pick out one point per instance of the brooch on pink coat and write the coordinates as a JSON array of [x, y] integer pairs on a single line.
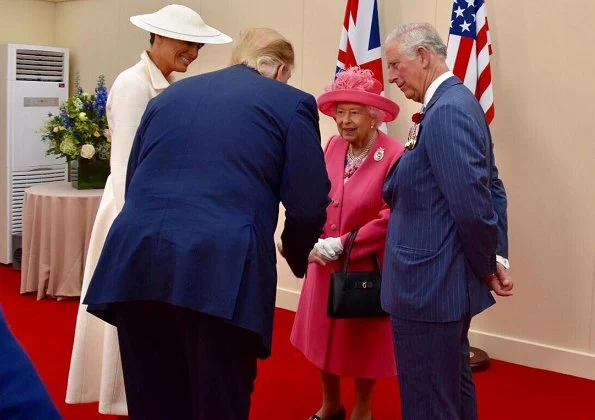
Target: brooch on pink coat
[[379, 154]]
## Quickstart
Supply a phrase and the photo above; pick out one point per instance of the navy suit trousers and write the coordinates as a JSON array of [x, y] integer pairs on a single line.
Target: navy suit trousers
[[184, 365], [435, 378]]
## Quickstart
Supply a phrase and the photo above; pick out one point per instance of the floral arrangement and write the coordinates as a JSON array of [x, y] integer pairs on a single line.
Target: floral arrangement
[[80, 129]]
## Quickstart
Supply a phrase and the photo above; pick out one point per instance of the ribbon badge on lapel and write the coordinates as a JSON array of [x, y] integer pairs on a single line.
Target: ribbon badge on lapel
[[414, 130]]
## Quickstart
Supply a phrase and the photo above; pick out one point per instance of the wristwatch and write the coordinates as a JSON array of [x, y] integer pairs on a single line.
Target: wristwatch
[[503, 261]]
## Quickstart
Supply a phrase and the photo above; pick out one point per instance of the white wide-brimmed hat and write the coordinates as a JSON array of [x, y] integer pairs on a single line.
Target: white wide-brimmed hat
[[180, 22]]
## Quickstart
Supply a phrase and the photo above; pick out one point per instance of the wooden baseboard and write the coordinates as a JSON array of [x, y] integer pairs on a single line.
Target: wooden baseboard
[[536, 355]]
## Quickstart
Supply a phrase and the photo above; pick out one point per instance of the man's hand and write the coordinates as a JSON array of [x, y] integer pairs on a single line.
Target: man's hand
[[315, 257], [501, 282], [280, 249]]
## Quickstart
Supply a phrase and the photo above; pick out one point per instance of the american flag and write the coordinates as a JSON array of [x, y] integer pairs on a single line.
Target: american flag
[[469, 50], [360, 38]]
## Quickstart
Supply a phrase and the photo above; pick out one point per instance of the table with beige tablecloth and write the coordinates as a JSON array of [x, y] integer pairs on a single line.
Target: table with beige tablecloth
[[57, 224]]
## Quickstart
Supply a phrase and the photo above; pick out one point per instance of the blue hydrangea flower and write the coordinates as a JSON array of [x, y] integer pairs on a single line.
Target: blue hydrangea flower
[[64, 116]]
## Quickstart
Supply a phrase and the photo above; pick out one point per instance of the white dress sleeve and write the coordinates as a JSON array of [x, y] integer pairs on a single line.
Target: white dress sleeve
[[126, 104]]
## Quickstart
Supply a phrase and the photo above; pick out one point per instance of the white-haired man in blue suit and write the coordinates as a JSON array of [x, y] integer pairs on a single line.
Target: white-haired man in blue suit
[[447, 230]]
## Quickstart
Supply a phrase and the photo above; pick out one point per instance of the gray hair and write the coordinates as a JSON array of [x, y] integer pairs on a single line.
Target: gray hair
[[414, 35], [378, 116]]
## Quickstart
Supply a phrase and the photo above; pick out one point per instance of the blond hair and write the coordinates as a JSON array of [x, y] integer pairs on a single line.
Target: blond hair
[[263, 49]]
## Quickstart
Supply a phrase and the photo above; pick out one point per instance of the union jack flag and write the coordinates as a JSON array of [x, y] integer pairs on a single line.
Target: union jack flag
[[360, 38], [469, 50]]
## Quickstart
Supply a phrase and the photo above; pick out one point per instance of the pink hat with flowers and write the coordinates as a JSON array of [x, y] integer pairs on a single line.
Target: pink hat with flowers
[[356, 85]]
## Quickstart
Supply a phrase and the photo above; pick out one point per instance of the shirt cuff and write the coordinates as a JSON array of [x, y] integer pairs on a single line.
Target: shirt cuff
[[504, 261]]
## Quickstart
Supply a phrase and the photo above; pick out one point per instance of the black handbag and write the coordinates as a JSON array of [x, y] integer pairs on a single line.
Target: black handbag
[[355, 294]]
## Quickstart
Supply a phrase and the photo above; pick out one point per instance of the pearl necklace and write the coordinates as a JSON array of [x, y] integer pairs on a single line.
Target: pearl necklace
[[354, 162], [359, 158]]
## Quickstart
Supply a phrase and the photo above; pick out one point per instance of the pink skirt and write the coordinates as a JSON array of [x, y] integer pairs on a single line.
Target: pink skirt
[[360, 348]]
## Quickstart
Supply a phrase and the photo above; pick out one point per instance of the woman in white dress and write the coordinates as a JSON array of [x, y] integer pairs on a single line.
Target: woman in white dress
[[177, 34]]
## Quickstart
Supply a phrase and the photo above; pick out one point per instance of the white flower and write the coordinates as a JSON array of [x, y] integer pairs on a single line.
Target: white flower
[[106, 133], [56, 129], [87, 151], [78, 104], [83, 116]]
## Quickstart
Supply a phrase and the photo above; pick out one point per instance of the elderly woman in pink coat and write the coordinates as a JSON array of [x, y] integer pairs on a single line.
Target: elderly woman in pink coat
[[357, 161]]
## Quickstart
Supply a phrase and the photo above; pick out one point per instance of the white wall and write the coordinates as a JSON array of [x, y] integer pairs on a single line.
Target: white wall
[[27, 22]]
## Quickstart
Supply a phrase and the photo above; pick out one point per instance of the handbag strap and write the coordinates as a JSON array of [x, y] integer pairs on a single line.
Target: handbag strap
[[349, 245]]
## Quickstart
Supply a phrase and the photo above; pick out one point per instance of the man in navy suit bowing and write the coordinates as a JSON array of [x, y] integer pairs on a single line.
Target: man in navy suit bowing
[[447, 227], [187, 273]]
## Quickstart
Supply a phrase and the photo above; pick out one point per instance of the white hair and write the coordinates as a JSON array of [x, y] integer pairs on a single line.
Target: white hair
[[413, 35]]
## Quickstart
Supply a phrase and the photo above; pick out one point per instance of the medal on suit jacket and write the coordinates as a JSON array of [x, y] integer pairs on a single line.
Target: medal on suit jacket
[[414, 130]]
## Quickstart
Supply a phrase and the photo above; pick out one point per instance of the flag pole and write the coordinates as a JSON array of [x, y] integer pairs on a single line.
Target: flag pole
[[468, 55]]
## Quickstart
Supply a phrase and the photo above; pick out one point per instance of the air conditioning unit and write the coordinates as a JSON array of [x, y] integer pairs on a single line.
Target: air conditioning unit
[[33, 83]]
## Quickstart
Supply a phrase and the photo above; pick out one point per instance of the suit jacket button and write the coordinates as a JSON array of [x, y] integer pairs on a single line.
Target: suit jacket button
[[333, 227], [336, 203]]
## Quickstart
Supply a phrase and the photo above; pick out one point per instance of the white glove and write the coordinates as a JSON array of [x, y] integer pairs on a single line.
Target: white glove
[[329, 248]]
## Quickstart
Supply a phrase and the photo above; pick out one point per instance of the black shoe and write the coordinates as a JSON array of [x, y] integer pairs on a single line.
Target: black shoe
[[339, 415]]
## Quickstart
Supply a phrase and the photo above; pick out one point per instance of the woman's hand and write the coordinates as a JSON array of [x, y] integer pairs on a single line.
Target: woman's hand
[[329, 248], [313, 257]]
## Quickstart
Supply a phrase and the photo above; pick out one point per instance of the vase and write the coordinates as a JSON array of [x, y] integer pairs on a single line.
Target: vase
[[89, 173]]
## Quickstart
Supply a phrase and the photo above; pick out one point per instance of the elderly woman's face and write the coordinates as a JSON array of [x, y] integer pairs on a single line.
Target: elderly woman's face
[[354, 122], [176, 55]]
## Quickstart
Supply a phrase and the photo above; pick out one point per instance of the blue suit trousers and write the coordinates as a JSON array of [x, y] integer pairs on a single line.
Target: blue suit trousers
[[435, 377], [184, 365]]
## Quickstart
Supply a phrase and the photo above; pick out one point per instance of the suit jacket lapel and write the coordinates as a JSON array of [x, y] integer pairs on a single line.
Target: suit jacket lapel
[[451, 81]]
